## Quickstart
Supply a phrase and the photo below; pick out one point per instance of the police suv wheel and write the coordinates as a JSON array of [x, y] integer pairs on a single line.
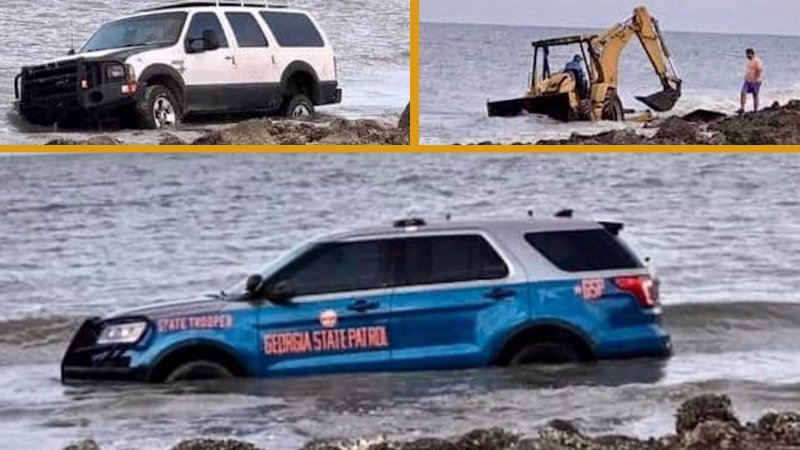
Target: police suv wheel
[[299, 106], [158, 108], [545, 353], [199, 370]]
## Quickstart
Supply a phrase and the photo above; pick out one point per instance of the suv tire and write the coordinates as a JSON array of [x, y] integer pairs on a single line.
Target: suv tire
[[199, 370], [298, 106], [545, 353], [158, 108]]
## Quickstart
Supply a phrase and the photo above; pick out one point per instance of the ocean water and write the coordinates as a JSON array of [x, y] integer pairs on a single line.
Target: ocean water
[[371, 40], [85, 235], [462, 66]]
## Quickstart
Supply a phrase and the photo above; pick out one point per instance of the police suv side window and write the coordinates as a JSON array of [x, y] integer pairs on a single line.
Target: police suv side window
[[584, 250], [202, 22], [293, 29], [338, 267], [448, 259], [247, 30]]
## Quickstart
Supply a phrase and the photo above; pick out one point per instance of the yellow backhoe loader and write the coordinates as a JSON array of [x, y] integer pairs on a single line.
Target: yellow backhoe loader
[[565, 96]]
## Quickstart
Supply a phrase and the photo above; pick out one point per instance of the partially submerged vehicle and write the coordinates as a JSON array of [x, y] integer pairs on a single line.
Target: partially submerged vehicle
[[561, 94], [410, 296], [159, 65]]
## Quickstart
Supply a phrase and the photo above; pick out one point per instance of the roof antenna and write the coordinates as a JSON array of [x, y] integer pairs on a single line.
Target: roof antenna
[[71, 31]]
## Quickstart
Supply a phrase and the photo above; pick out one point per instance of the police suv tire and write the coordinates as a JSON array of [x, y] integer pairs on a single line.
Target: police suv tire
[[157, 97], [199, 370], [545, 353], [298, 106]]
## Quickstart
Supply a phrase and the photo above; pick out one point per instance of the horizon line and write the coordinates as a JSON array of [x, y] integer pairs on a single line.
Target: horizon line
[[518, 25]]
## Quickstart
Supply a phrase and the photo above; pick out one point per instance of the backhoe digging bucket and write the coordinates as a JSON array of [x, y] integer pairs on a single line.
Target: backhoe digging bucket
[[661, 101], [555, 106]]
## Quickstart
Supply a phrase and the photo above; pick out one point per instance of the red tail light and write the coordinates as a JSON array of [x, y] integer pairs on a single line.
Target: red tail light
[[642, 287]]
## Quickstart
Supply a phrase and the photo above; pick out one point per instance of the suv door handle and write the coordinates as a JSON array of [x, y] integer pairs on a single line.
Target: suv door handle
[[363, 305], [500, 293]]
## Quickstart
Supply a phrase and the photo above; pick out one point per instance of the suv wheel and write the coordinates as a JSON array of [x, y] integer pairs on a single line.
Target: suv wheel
[[545, 353], [158, 108], [199, 370], [299, 106]]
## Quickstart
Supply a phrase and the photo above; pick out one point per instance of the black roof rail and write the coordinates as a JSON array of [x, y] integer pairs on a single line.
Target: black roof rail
[[564, 213], [411, 222], [208, 3], [613, 227]]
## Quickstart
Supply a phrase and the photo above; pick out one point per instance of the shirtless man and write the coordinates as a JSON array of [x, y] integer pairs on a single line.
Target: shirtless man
[[753, 76]]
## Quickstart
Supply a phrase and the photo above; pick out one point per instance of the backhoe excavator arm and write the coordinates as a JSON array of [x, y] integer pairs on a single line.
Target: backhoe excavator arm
[[608, 47]]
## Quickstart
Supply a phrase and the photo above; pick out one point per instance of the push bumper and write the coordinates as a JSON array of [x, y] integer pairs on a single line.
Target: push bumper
[[85, 361], [73, 90]]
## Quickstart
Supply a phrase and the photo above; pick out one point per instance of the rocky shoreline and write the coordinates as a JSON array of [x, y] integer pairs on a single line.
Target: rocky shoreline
[[706, 422], [775, 125], [320, 131]]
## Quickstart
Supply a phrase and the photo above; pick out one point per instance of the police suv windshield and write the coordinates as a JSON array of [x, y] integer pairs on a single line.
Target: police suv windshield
[[153, 29], [267, 271]]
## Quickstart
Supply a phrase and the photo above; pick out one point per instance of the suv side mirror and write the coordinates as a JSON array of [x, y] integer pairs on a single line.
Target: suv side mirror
[[254, 284], [282, 291], [210, 40]]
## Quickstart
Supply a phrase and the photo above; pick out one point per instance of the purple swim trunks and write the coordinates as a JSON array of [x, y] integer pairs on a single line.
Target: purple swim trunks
[[751, 87]]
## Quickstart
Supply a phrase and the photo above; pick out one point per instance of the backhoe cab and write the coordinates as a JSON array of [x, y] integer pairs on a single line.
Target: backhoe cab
[[563, 95]]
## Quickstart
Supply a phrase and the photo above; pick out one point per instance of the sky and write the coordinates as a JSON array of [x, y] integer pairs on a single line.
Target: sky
[[717, 16]]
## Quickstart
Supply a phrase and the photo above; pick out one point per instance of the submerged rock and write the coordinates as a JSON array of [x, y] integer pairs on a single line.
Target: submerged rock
[[214, 444], [84, 445], [704, 408], [291, 132], [94, 140]]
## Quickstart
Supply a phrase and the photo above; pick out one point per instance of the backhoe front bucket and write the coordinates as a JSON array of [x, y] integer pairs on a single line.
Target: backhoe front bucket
[[661, 101], [556, 106]]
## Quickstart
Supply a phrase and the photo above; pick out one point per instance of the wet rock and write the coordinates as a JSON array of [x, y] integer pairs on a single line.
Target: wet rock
[[704, 116], [405, 119], [290, 132], [614, 137], [170, 139], [428, 444], [488, 439], [783, 427], [94, 140], [777, 125], [84, 445], [704, 408], [713, 434], [678, 131], [214, 444]]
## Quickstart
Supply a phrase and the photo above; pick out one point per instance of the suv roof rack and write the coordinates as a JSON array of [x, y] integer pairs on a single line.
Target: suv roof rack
[[408, 223], [218, 3]]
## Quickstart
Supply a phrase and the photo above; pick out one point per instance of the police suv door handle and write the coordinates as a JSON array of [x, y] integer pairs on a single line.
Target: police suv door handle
[[500, 293], [363, 305]]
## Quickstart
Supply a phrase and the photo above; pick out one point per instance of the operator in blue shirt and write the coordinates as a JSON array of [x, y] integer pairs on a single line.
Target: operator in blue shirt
[[576, 67]]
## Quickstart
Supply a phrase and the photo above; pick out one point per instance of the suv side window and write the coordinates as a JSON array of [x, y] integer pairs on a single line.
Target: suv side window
[[584, 250], [448, 259], [247, 31], [338, 267], [293, 29], [201, 22]]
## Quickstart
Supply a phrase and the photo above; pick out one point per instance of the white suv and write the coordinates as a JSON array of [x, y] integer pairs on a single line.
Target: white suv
[[161, 64]]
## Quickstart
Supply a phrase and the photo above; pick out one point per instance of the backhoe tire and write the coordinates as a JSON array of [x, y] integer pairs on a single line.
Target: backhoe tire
[[612, 109]]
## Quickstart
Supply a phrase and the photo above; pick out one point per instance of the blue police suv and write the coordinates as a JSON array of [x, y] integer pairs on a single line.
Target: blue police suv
[[411, 296]]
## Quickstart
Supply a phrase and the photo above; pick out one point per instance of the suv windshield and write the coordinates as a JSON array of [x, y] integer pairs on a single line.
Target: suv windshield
[[154, 29]]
